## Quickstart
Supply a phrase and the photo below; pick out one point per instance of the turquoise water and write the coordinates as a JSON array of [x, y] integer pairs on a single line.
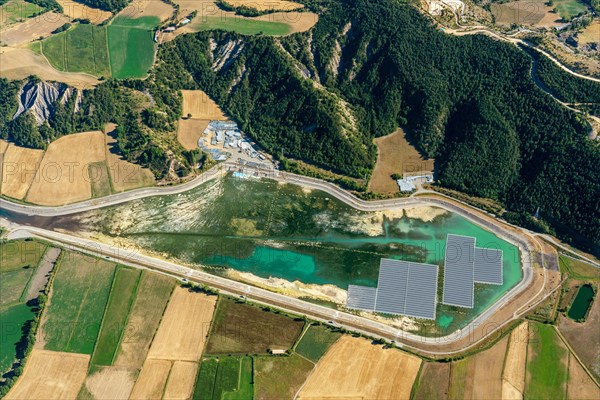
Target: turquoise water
[[274, 230]]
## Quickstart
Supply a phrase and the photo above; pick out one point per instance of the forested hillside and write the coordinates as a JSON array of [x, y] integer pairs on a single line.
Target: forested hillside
[[367, 67]]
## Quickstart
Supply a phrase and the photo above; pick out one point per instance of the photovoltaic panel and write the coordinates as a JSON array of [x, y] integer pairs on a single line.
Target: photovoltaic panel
[[421, 291], [361, 297], [459, 271], [488, 266], [391, 287]]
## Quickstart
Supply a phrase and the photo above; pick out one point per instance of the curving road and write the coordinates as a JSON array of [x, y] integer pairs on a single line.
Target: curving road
[[348, 320]]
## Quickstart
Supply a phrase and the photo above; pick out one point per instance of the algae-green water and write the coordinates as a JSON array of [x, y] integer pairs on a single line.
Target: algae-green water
[[280, 230], [581, 303]]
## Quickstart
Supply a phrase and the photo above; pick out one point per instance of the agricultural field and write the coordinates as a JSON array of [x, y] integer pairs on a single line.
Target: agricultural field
[[316, 341], [354, 367], [99, 179], [51, 375], [584, 337], [152, 380], [433, 382], [147, 8], [580, 385], [524, 12], [513, 378], [63, 175], [280, 377], [18, 261], [76, 10], [591, 34], [225, 378], [20, 63], [32, 29], [182, 377], [568, 9], [241, 328], [82, 48], [131, 46], [189, 131], [263, 5], [479, 376], [153, 294], [16, 11], [184, 326], [198, 105], [17, 162], [244, 26], [12, 318], [547, 364], [395, 155], [115, 317], [78, 298]]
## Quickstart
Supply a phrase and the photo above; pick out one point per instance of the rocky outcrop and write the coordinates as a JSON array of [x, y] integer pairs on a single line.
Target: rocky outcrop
[[226, 53], [39, 97]]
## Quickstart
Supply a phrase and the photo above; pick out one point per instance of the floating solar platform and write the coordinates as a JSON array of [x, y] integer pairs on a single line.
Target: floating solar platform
[[404, 288], [459, 271], [361, 297], [488, 266]]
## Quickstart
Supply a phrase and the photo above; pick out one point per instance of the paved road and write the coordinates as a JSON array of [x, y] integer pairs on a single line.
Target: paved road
[[340, 318]]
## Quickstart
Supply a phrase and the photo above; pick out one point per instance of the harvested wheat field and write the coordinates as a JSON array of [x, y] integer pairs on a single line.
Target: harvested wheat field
[[18, 170], [513, 378], [3, 146], [298, 21], [19, 63], [181, 381], [152, 379], [51, 375], [197, 104], [580, 386], [395, 155], [189, 131], [110, 383], [184, 327], [125, 175], [262, 5], [354, 368], [74, 10], [63, 176], [32, 29], [433, 381], [147, 8], [530, 12]]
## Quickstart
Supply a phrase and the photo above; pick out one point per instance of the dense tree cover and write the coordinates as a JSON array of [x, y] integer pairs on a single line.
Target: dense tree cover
[[8, 103], [468, 101], [106, 5], [48, 5], [566, 87]]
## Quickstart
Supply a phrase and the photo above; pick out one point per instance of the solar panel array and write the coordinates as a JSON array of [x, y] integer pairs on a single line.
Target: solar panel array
[[459, 271], [404, 288], [361, 297], [408, 288], [488, 266]]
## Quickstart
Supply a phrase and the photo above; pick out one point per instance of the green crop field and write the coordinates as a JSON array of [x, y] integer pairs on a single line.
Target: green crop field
[[569, 8], [131, 46], [16, 11], [153, 293], [77, 303], [83, 48], [18, 261], [12, 320], [244, 26], [316, 341], [578, 269], [100, 179], [225, 378], [280, 377], [121, 297], [546, 364], [241, 328]]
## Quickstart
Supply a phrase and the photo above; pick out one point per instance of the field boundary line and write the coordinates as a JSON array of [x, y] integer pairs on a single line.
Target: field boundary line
[[161, 318], [131, 303], [571, 351], [304, 330], [112, 285]]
